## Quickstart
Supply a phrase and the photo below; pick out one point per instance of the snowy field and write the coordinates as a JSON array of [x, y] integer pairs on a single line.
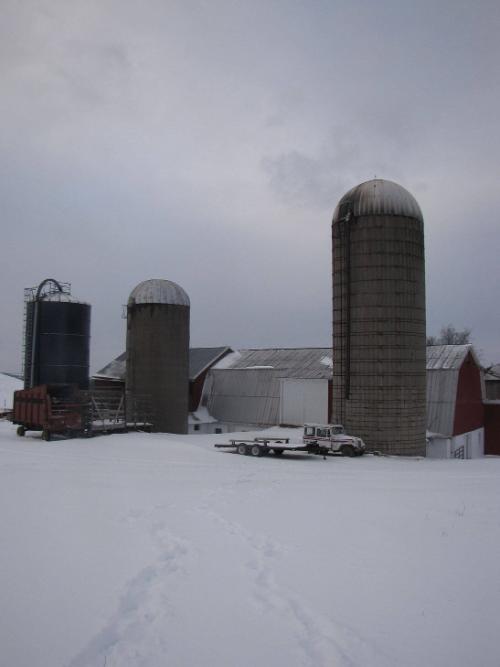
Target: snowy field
[[155, 551]]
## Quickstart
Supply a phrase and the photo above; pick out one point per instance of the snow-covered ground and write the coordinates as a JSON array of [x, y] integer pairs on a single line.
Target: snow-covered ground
[[153, 550]]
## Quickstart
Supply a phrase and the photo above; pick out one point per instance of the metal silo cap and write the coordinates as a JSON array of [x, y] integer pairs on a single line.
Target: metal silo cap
[[378, 197], [158, 291]]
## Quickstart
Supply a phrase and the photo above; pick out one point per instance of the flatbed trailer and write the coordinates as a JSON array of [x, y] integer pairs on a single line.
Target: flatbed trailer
[[263, 446]]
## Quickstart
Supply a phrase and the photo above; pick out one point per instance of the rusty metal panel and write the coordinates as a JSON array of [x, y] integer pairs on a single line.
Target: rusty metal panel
[[31, 406]]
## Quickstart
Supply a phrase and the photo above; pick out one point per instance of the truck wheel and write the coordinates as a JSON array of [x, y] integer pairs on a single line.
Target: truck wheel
[[256, 450], [278, 452], [46, 435], [241, 449], [347, 450], [20, 431]]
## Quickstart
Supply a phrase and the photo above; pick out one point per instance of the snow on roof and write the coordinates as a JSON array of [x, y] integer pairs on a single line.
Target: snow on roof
[[160, 291], [380, 197], [115, 370], [447, 357], [493, 373], [228, 360], [200, 358], [306, 362]]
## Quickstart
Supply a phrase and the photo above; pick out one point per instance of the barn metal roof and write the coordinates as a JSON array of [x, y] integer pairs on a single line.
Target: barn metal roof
[[447, 357], [443, 368], [493, 373], [158, 291], [379, 197], [200, 358], [115, 370], [307, 362]]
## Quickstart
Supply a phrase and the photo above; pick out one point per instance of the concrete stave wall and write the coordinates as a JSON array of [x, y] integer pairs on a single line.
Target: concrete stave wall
[[379, 355], [158, 362]]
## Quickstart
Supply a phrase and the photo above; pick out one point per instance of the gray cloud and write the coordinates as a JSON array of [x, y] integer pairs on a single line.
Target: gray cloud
[[208, 143]]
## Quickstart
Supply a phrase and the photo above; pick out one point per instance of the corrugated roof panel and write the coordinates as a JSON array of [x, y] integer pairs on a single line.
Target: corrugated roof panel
[[202, 357], [199, 359], [115, 370], [442, 387], [447, 357], [291, 362]]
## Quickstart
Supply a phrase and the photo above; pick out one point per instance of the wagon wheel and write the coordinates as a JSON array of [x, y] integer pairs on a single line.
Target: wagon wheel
[[46, 435], [21, 431]]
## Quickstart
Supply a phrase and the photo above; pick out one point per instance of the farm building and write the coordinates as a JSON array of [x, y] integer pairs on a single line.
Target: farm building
[[229, 390], [270, 386], [201, 359], [492, 383], [492, 410], [277, 386], [455, 408]]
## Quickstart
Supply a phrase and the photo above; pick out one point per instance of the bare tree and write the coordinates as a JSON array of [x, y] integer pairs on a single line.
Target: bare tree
[[450, 336]]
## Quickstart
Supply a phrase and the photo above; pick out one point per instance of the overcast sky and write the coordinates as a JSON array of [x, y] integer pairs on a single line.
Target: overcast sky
[[208, 143]]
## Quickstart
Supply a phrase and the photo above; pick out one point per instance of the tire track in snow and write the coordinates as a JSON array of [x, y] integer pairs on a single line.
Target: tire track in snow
[[136, 633]]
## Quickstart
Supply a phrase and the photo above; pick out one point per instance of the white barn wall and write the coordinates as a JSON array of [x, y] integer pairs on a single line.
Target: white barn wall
[[473, 443], [303, 400], [441, 447]]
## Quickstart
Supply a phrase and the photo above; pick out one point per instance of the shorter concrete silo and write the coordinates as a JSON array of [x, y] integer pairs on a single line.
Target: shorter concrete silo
[[158, 352]]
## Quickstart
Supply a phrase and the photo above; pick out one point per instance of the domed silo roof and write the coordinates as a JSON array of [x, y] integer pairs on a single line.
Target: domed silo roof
[[158, 291], [378, 197]]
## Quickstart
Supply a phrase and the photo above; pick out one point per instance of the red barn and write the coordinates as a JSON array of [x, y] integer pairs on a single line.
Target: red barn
[[455, 402]]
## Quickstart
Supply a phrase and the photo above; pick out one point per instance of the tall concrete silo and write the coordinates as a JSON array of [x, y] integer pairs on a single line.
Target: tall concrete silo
[[379, 386], [158, 352]]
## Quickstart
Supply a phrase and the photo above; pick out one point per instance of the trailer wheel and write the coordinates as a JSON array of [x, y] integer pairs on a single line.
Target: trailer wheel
[[20, 431], [241, 449], [46, 435], [278, 452], [256, 450], [347, 450]]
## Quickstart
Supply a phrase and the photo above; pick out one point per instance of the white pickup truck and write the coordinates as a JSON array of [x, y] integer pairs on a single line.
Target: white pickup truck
[[334, 438]]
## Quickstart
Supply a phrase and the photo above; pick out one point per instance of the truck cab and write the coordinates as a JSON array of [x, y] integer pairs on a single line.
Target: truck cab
[[334, 438]]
